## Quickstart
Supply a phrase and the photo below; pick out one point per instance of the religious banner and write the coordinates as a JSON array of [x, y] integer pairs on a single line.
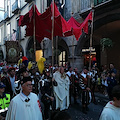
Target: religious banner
[[12, 51]]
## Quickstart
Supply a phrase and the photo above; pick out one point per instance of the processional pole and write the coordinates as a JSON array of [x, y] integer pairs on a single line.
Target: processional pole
[[19, 37], [56, 49], [44, 38], [34, 31], [91, 37], [72, 41], [52, 36]]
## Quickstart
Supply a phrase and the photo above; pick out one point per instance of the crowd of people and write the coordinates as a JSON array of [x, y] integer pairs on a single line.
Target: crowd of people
[[31, 94]]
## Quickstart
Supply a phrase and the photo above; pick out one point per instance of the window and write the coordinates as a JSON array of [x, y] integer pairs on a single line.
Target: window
[[8, 7], [17, 34], [0, 35], [48, 2], [8, 31], [5, 5], [62, 58]]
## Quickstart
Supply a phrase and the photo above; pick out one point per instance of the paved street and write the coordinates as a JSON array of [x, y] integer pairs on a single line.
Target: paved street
[[94, 110]]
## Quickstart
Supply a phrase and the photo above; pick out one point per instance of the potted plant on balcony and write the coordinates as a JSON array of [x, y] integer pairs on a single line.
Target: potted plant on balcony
[[106, 43]]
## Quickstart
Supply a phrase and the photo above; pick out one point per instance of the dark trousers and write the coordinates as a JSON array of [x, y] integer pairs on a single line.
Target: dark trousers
[[85, 97]]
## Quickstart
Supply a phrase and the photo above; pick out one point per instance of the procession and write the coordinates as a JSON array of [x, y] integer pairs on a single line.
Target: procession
[[59, 60], [36, 93]]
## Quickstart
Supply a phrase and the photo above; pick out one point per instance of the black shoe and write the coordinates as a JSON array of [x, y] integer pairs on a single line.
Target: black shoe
[[84, 111]]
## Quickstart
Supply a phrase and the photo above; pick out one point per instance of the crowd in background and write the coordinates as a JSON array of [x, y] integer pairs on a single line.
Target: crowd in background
[[56, 85]]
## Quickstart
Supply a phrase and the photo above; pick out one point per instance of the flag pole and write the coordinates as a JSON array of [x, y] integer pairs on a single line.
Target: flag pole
[[52, 37], [34, 31], [91, 37]]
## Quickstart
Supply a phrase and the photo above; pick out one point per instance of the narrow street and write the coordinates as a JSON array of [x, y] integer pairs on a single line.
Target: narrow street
[[94, 110]]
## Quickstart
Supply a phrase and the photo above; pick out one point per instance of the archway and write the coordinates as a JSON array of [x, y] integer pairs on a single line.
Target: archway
[[64, 52], [30, 49]]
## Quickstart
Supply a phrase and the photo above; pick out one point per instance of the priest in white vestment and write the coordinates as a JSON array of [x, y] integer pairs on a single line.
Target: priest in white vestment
[[25, 106], [61, 91]]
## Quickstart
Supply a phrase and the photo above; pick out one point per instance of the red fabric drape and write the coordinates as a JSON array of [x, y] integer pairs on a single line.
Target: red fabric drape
[[43, 23], [78, 27], [84, 25]]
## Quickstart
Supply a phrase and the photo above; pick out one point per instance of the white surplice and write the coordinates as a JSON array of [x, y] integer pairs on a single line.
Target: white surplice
[[21, 110], [61, 91]]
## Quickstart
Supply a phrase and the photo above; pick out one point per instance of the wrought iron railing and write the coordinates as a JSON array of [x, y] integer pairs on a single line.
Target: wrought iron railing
[[28, 1], [9, 37], [97, 2], [86, 4]]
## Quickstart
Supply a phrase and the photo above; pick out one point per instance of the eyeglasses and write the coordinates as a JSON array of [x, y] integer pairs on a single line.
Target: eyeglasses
[[29, 85]]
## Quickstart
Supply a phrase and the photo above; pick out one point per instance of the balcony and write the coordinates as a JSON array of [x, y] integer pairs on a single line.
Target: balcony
[[86, 4], [6, 16], [98, 2], [28, 1], [15, 7], [8, 37]]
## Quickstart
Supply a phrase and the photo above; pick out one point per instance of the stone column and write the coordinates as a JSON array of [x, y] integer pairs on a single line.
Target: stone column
[[78, 62]]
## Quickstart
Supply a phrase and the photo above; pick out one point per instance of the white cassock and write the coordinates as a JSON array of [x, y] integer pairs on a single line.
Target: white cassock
[[61, 91], [21, 110]]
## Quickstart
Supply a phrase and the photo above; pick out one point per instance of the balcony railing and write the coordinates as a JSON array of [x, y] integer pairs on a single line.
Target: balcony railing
[[6, 15], [97, 2], [86, 4], [28, 1], [10, 37], [15, 7]]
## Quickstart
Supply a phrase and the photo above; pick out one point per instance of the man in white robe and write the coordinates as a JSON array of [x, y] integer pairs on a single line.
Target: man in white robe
[[25, 106], [61, 91], [112, 109]]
